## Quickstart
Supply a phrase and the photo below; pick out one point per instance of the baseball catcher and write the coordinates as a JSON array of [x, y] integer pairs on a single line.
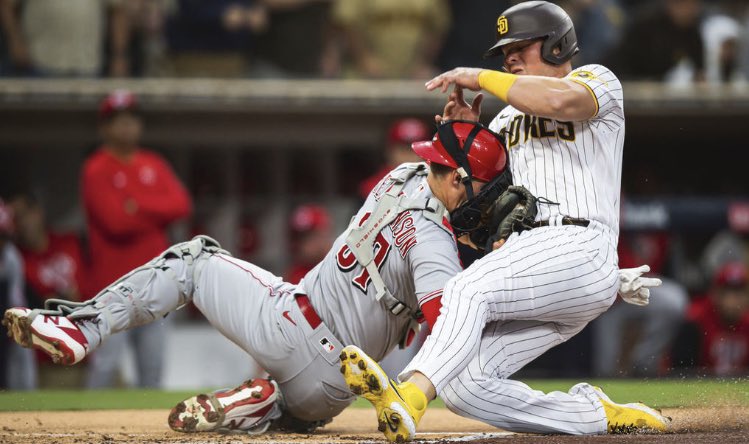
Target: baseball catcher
[[383, 275]]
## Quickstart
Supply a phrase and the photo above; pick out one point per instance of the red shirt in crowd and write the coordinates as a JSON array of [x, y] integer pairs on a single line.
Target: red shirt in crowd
[[724, 349], [57, 271], [368, 184], [128, 206]]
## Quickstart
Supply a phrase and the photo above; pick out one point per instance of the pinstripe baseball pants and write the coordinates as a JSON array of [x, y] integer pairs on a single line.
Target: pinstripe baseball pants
[[540, 289]]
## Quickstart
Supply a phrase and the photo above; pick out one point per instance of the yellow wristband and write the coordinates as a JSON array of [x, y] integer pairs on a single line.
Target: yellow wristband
[[497, 83]]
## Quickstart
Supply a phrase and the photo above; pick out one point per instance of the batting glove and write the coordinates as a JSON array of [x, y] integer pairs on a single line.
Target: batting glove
[[634, 288]]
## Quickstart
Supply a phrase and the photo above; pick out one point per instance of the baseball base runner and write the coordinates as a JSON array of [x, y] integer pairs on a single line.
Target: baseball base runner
[[564, 130]]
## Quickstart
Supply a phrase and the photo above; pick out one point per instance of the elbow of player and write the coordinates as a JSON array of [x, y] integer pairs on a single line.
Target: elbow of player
[[564, 107], [557, 105]]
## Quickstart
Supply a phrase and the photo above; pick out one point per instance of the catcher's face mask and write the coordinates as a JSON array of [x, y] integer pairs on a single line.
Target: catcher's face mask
[[470, 217]]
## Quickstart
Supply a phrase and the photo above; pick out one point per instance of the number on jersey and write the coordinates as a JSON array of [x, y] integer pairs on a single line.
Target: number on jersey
[[347, 261]]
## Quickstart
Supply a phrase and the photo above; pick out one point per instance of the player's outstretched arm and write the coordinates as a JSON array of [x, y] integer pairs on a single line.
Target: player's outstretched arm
[[555, 98], [464, 77]]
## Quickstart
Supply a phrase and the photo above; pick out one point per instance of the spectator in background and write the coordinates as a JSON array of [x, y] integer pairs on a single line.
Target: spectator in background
[[663, 43], [130, 196], [212, 38], [66, 38], [146, 43], [473, 29], [731, 245], [311, 237], [53, 261], [598, 25], [715, 338], [722, 35], [391, 38], [631, 340], [398, 150], [297, 42], [54, 268], [7, 285], [17, 366]]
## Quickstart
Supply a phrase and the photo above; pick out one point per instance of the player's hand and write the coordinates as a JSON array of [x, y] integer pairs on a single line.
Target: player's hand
[[634, 288], [498, 244], [465, 239], [465, 77], [457, 108]]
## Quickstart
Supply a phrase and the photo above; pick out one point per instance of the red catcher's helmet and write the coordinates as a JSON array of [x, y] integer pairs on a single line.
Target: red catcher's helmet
[[469, 146]]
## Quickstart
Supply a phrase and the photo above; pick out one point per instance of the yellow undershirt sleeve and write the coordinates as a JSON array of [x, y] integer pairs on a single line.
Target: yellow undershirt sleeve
[[497, 83]]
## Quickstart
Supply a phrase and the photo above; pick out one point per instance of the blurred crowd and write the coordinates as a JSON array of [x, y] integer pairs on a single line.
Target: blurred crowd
[[676, 41]]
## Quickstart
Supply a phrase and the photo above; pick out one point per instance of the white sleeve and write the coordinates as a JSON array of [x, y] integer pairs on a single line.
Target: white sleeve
[[606, 90]]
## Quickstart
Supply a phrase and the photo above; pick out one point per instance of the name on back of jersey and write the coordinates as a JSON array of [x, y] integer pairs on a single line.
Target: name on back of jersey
[[404, 237]]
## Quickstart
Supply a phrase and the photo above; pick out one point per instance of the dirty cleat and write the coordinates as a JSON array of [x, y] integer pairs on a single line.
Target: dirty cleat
[[249, 408], [57, 336], [399, 406], [631, 418]]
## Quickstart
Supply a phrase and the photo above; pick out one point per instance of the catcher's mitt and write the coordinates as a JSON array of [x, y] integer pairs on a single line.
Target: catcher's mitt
[[514, 211]]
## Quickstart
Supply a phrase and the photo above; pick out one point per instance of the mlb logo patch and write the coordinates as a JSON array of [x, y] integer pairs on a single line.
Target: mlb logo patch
[[125, 289], [327, 345]]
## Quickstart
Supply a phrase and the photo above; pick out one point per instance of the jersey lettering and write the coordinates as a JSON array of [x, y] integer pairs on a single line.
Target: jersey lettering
[[536, 127], [530, 127], [346, 260], [404, 232]]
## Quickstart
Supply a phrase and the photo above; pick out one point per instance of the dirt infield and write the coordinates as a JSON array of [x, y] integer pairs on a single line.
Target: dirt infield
[[715, 425]]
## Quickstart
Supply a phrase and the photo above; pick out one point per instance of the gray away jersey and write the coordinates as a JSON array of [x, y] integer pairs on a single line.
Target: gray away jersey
[[577, 164], [416, 258]]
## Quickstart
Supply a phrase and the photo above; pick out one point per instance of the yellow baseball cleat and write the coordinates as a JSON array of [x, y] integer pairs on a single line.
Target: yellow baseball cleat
[[631, 418], [399, 406]]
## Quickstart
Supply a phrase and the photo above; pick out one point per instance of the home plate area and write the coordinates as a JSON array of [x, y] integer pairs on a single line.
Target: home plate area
[[721, 425]]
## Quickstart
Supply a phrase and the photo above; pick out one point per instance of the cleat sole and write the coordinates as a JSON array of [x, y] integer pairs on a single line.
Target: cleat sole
[[364, 378]]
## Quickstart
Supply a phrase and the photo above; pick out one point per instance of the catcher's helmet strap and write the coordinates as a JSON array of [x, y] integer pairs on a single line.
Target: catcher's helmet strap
[[452, 145]]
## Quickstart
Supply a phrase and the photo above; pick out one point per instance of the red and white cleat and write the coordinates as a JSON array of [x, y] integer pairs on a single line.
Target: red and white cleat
[[249, 408], [57, 336]]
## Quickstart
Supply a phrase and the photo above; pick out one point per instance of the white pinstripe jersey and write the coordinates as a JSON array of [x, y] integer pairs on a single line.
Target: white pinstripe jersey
[[416, 258], [577, 164]]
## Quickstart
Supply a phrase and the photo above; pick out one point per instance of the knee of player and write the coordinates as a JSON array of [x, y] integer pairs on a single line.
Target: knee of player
[[450, 397], [458, 393]]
